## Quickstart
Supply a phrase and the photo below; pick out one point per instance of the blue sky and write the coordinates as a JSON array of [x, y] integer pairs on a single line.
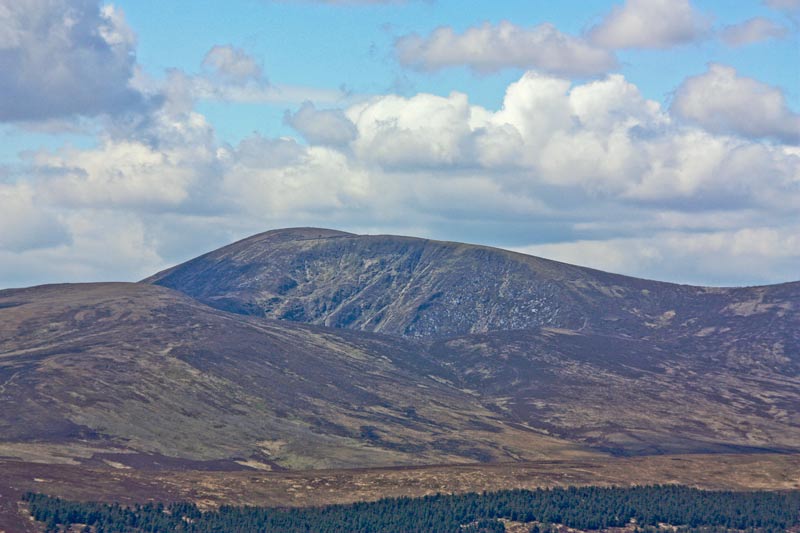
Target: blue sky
[[648, 137], [330, 46]]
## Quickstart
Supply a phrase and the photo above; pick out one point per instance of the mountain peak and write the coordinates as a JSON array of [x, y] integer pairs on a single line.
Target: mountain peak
[[294, 234]]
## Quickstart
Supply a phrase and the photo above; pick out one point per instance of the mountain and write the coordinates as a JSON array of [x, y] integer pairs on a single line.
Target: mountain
[[312, 348], [420, 288]]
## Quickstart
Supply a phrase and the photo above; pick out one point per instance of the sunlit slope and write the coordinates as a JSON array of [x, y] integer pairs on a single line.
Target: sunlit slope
[[146, 369]]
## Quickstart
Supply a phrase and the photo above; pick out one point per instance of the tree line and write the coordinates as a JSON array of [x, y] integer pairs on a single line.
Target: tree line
[[588, 508]]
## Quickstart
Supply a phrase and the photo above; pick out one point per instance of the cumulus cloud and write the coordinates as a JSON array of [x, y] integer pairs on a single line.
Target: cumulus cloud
[[650, 24], [488, 48], [752, 31], [597, 140], [316, 181], [721, 101], [60, 58], [425, 131], [552, 163], [322, 126], [557, 133]]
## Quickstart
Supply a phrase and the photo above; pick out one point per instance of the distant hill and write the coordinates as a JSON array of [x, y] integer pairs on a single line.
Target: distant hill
[[311, 348]]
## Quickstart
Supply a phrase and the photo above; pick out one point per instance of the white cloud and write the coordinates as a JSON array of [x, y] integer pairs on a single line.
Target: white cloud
[[61, 58], [753, 30], [650, 24], [721, 101], [600, 138], [558, 161], [100, 246], [756, 255], [310, 181], [704, 171], [489, 48], [115, 174], [34, 226], [420, 132], [322, 126]]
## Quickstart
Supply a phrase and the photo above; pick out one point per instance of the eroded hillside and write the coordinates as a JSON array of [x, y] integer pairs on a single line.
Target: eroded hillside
[[430, 289]]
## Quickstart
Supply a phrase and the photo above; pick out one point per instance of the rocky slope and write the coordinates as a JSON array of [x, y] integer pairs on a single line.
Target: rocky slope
[[420, 288]]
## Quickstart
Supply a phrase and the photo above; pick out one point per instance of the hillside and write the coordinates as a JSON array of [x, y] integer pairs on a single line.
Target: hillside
[[309, 348], [420, 288], [118, 368]]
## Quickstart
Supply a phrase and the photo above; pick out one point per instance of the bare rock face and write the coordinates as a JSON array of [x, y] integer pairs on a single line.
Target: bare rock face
[[391, 285]]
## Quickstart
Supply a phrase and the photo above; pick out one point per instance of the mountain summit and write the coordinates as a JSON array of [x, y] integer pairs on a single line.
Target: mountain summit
[[423, 288]]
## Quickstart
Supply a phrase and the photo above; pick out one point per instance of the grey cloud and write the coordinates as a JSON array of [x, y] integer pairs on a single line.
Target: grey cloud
[[650, 24], [233, 63], [322, 126], [752, 31], [259, 152], [60, 58], [489, 48]]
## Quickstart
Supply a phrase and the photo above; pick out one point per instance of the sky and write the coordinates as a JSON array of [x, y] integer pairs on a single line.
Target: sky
[[654, 138]]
